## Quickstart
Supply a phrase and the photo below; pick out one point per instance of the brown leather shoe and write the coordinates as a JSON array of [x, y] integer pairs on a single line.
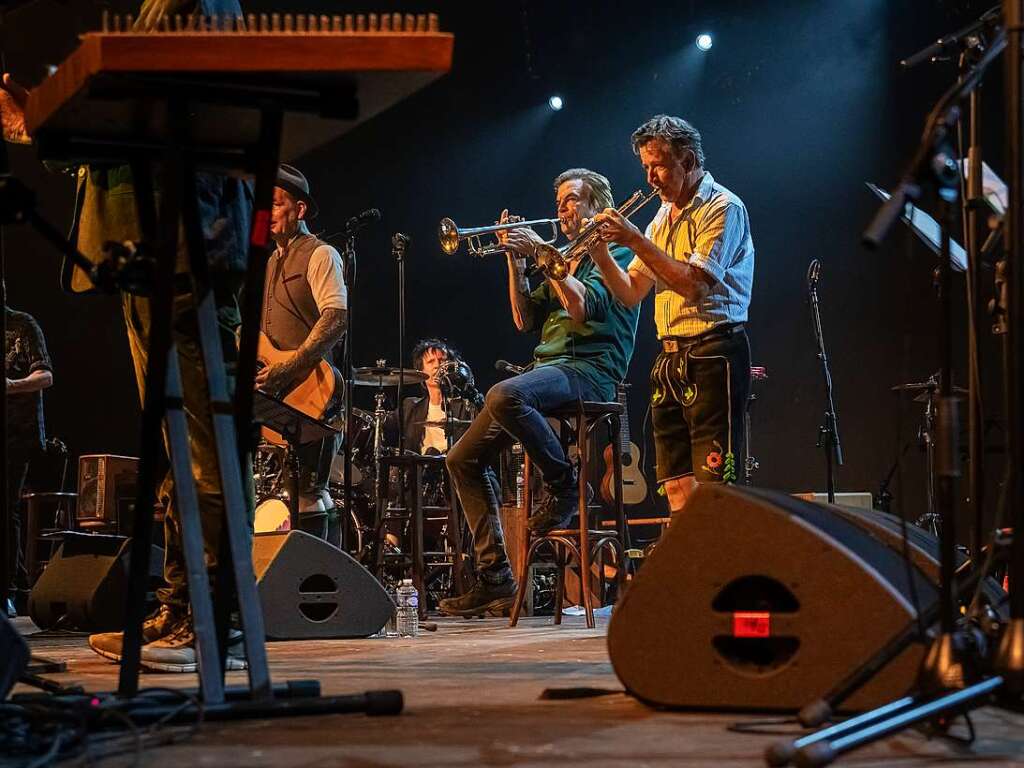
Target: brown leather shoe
[[161, 623]]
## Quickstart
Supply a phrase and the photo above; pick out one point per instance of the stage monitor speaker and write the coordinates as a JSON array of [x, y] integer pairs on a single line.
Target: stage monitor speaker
[[757, 600], [107, 487], [311, 589], [13, 656], [83, 585]]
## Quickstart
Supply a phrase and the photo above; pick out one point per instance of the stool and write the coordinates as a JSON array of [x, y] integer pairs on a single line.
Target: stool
[[415, 511], [582, 543]]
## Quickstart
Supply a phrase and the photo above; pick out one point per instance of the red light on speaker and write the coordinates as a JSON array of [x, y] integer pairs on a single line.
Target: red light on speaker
[[751, 624]]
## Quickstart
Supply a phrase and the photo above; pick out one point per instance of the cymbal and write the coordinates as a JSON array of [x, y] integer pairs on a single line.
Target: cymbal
[[917, 386], [442, 423], [373, 376], [924, 389]]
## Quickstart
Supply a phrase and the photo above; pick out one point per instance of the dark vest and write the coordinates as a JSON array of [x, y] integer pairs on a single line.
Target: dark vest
[[289, 309]]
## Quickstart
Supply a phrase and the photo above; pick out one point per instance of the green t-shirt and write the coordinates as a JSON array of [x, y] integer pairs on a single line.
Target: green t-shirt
[[601, 346]]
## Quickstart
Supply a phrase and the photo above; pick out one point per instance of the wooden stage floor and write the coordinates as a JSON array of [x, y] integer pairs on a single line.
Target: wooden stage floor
[[472, 692]]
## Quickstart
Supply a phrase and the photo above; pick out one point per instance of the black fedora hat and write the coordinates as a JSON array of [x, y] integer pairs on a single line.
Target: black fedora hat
[[291, 180]]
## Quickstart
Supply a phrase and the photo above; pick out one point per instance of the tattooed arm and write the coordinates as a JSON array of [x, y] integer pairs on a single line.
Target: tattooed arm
[[322, 338]]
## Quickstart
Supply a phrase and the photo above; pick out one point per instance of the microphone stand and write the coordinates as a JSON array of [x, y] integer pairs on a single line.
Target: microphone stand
[[828, 433], [399, 243], [349, 254]]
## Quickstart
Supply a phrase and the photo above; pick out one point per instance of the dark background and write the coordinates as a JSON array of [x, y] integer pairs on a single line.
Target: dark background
[[799, 104]]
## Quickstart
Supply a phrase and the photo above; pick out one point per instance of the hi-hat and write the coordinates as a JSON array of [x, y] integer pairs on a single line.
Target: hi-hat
[[924, 389], [374, 376]]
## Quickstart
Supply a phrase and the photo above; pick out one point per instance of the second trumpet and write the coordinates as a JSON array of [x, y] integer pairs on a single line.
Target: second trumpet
[[451, 236]]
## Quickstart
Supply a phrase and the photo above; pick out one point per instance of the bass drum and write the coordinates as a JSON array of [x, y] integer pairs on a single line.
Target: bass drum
[[272, 516], [360, 436]]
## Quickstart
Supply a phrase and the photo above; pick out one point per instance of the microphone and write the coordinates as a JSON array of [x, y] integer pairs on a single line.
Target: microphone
[[813, 274], [506, 367], [57, 445], [950, 43], [364, 219]]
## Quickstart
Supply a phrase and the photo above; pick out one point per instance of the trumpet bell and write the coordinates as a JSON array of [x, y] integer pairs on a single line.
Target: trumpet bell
[[448, 234], [551, 262]]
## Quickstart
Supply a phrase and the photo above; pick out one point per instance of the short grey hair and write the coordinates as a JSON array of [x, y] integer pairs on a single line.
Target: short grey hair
[[677, 132], [597, 187]]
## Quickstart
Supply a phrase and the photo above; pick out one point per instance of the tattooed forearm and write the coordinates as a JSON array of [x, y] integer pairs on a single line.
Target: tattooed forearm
[[325, 334], [519, 295]]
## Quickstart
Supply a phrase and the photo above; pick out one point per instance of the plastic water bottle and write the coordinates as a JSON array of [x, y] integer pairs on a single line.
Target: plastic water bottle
[[407, 614]]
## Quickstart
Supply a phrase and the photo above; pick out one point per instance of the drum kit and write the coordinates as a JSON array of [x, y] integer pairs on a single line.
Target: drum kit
[[367, 435]]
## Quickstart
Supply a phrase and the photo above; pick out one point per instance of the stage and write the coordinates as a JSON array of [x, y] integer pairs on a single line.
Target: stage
[[473, 692]]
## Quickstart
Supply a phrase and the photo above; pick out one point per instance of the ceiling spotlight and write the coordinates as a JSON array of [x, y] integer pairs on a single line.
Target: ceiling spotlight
[[704, 41], [555, 102]]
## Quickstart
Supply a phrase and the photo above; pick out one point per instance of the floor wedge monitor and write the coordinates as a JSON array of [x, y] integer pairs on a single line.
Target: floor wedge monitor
[[310, 589], [757, 600]]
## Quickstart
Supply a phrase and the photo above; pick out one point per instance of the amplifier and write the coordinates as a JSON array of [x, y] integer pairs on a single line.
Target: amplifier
[[106, 486]]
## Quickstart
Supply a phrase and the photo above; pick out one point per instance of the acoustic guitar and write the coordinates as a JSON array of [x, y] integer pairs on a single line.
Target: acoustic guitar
[[634, 486], [312, 392]]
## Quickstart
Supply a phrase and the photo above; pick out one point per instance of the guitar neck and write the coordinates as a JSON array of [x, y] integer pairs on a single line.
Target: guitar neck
[[624, 437]]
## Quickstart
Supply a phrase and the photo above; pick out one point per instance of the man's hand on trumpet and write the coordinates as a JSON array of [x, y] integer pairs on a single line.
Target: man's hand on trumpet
[[519, 241], [522, 240], [616, 228]]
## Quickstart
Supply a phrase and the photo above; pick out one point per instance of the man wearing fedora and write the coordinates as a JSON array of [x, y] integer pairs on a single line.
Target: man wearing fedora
[[305, 306]]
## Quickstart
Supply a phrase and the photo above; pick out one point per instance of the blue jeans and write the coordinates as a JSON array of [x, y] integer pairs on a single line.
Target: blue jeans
[[514, 410]]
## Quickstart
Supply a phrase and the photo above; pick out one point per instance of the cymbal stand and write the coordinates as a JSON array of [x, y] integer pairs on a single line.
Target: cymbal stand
[[380, 415], [930, 520]]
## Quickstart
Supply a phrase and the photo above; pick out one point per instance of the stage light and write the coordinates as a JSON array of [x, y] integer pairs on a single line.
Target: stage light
[[555, 102], [704, 41]]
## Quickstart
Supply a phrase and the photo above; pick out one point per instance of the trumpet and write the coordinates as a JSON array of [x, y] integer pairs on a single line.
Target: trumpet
[[555, 263], [451, 236]]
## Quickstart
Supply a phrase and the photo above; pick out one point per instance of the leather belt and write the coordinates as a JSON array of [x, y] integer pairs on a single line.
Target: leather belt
[[676, 343]]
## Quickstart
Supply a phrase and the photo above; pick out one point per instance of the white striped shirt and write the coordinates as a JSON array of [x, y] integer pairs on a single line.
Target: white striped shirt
[[713, 234]]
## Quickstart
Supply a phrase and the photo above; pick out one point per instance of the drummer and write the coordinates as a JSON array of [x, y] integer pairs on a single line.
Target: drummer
[[437, 419]]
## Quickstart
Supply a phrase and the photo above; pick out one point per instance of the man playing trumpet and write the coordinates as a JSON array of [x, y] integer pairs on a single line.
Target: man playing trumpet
[[586, 343], [698, 257]]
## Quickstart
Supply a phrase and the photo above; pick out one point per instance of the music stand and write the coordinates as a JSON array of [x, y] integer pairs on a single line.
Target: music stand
[[297, 428], [927, 230]]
